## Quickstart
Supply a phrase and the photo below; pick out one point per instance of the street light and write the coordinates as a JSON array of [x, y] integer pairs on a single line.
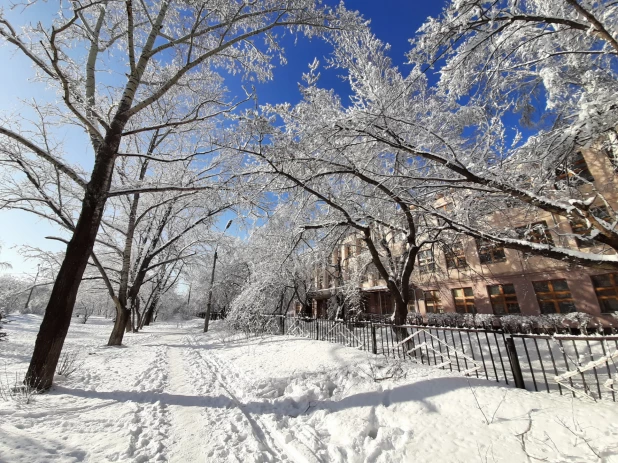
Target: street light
[[212, 279]]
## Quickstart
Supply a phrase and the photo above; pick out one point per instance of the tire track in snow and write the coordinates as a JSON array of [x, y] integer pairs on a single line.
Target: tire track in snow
[[267, 434]]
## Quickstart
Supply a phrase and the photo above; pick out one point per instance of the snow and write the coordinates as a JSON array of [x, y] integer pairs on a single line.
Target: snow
[[176, 394]]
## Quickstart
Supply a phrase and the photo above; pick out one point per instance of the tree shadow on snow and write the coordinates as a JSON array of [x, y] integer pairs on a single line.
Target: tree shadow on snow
[[419, 391]]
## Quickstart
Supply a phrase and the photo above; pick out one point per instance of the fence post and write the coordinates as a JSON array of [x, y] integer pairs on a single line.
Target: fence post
[[374, 344], [514, 360], [282, 325], [317, 329]]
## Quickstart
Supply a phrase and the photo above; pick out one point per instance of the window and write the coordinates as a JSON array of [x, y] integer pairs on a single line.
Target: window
[[536, 233], [503, 299], [606, 287], [432, 301], [426, 262], [455, 256], [464, 300], [580, 227], [578, 171], [554, 296], [489, 252]]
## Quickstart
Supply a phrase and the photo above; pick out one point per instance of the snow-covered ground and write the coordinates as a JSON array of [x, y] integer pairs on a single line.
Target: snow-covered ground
[[176, 394]]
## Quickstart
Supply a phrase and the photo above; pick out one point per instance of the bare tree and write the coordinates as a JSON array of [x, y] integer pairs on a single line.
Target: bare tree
[[165, 49]]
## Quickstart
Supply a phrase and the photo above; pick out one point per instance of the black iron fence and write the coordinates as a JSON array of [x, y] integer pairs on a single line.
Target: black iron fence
[[567, 364]]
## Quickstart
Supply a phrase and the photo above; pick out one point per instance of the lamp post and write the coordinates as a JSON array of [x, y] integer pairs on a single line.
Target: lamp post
[[212, 279]]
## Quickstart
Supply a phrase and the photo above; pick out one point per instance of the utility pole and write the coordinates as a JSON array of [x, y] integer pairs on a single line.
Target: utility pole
[[212, 279], [38, 268]]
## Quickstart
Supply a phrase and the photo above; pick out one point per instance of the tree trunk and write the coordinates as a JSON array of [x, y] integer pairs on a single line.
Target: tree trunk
[[212, 282], [131, 320], [122, 318], [399, 318], [59, 311], [149, 315], [138, 316]]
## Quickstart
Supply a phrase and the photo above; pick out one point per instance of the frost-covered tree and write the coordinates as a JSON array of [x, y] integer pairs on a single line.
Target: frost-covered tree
[[159, 50], [377, 164], [231, 273], [341, 184], [4, 265], [553, 63], [454, 139], [279, 269]]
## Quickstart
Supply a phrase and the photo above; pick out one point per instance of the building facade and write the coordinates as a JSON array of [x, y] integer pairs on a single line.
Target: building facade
[[476, 276]]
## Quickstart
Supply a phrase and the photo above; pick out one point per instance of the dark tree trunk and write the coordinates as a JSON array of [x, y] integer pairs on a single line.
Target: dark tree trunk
[[400, 316], [212, 282], [122, 318], [149, 314], [138, 317], [129, 326], [59, 311], [147, 317]]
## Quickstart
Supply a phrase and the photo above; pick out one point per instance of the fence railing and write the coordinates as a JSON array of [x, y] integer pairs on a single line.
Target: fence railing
[[567, 364]]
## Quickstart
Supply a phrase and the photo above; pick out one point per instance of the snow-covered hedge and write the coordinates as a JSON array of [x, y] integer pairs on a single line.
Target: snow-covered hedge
[[455, 319], [510, 323]]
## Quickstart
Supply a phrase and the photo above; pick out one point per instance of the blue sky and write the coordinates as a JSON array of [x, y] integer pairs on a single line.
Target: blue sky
[[393, 21]]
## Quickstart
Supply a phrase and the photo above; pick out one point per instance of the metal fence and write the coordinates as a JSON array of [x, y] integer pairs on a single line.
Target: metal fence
[[567, 364]]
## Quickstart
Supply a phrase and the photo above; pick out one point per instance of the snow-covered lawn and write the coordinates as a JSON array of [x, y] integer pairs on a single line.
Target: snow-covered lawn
[[175, 394]]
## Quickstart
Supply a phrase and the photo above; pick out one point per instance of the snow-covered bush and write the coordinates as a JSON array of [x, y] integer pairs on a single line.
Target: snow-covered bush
[[280, 274], [174, 306], [549, 323], [11, 293], [516, 323], [253, 324], [482, 320], [582, 320], [448, 319], [459, 319]]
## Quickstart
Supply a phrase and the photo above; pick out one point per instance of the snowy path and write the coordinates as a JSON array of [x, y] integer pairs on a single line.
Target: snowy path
[[271, 442], [212, 424], [187, 425], [175, 394]]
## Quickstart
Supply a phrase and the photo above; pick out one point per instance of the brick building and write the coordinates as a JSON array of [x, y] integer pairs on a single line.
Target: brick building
[[473, 276]]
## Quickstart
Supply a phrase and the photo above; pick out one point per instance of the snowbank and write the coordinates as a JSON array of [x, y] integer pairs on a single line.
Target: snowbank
[[175, 394]]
